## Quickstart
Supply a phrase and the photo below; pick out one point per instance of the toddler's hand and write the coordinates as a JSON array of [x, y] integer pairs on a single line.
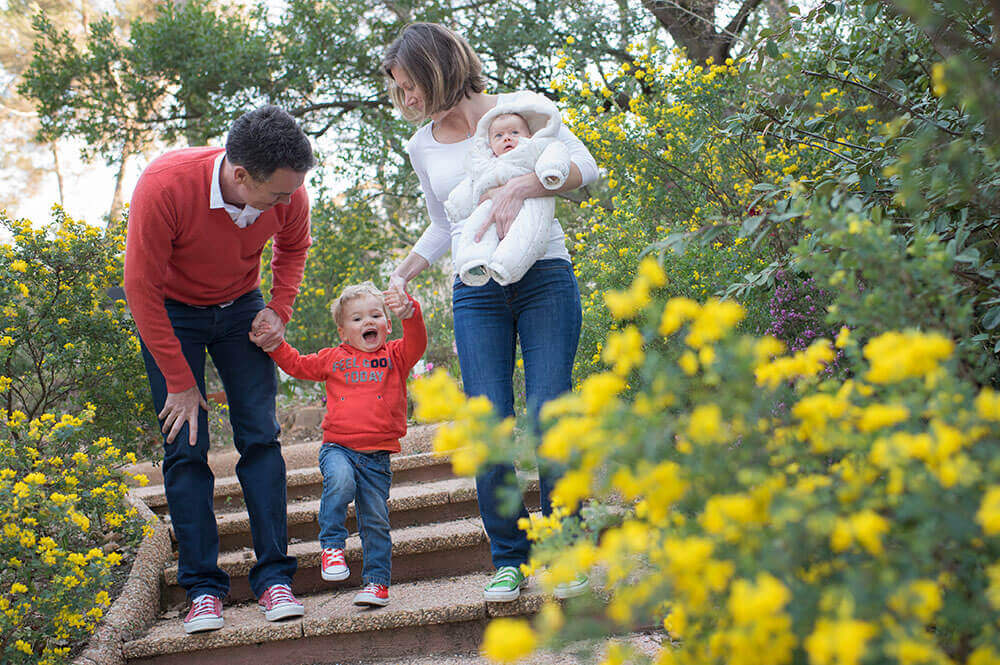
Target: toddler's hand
[[398, 304]]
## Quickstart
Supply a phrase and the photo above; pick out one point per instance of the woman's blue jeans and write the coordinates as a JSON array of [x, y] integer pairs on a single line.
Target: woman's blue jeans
[[543, 311], [351, 475], [249, 378]]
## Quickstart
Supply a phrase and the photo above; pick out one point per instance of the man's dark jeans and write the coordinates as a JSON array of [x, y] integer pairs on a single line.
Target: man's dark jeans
[[251, 383]]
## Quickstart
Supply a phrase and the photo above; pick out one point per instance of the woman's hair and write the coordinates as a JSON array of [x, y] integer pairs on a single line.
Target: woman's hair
[[352, 292], [439, 62]]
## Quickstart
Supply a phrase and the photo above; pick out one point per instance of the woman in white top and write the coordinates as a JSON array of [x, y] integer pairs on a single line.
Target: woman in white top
[[433, 74]]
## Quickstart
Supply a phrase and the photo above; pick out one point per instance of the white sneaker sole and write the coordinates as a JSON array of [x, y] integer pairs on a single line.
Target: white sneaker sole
[[202, 625], [286, 611], [371, 600], [562, 592], [336, 576], [502, 596]]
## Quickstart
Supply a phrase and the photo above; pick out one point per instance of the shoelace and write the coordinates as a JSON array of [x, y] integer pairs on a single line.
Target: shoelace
[[203, 605], [333, 556], [281, 593], [506, 575], [372, 588]]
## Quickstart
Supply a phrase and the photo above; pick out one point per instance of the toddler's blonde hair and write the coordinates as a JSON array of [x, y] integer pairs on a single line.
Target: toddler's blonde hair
[[352, 292]]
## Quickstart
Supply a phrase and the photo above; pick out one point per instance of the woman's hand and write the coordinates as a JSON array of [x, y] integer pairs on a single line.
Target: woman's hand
[[397, 284], [508, 199]]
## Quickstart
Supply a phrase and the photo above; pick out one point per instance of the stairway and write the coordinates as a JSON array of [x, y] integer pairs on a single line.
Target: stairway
[[440, 563]]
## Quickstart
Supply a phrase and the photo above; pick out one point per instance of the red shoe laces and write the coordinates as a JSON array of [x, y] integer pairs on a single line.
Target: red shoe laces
[[202, 606], [281, 593], [333, 557], [372, 587]]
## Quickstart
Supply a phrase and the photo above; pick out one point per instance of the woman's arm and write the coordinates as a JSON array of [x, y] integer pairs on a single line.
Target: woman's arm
[[410, 267]]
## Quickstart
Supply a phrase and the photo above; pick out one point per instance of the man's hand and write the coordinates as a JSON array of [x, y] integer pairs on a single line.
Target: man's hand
[[267, 330], [182, 408], [398, 304]]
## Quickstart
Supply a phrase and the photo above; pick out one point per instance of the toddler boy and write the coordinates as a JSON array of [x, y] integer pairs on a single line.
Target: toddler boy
[[365, 418]]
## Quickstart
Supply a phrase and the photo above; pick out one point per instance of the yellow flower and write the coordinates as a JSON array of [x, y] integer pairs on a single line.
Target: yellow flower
[[840, 642], [989, 511], [705, 424], [988, 405], [897, 356], [437, 397], [879, 416], [19, 265], [843, 337], [573, 487], [624, 350], [507, 640]]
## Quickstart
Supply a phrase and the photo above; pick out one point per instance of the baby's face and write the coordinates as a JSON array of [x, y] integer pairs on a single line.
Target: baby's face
[[365, 325], [506, 131]]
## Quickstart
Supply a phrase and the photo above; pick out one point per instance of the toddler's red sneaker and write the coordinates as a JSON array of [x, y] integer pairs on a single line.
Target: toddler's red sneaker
[[278, 603], [205, 614], [373, 595], [334, 567]]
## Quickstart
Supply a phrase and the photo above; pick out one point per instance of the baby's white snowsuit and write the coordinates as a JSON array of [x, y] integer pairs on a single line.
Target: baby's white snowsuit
[[507, 260]]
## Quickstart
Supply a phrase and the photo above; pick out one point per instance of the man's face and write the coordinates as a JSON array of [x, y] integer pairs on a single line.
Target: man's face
[[265, 194], [364, 324], [506, 131]]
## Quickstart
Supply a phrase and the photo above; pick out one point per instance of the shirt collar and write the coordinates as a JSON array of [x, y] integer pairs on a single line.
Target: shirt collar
[[243, 217]]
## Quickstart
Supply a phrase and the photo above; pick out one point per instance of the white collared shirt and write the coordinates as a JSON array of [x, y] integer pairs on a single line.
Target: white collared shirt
[[243, 217]]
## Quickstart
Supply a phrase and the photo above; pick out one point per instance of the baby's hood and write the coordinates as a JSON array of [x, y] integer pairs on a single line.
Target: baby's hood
[[537, 110], [540, 113]]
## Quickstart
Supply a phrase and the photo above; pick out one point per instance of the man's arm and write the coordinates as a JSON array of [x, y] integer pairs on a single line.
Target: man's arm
[[148, 246], [288, 260]]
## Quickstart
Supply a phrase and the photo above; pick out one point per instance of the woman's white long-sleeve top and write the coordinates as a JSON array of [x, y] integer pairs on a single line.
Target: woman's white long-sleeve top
[[440, 167]]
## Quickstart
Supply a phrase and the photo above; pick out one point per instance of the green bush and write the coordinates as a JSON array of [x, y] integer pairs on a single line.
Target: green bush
[[66, 526], [765, 513], [66, 342]]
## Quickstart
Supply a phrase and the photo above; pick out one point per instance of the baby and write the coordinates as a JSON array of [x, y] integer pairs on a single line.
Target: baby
[[505, 146]]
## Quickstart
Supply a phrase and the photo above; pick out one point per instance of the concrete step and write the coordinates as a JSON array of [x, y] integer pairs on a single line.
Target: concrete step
[[418, 439], [446, 615], [456, 547], [409, 505], [307, 482]]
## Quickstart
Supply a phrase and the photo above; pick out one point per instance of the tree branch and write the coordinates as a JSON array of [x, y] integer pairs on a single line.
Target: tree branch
[[879, 93]]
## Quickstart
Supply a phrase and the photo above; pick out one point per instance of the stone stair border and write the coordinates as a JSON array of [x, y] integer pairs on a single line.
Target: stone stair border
[[138, 605]]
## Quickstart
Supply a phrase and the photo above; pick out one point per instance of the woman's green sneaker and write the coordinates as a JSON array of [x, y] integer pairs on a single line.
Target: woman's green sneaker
[[575, 587], [505, 585]]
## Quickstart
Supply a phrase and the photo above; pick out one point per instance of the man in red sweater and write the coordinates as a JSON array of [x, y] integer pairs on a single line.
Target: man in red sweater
[[198, 222]]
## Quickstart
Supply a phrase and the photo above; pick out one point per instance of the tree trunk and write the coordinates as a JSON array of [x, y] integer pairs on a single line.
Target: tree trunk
[[58, 172], [117, 205], [691, 24]]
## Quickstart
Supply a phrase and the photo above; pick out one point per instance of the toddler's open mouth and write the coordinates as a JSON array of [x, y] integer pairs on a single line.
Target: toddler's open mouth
[[370, 335]]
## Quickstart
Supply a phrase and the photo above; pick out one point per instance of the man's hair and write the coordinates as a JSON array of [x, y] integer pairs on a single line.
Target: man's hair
[[439, 62], [267, 139], [352, 292]]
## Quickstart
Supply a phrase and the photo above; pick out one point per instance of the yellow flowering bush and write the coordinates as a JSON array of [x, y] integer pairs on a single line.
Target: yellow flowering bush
[[66, 339], [757, 509], [66, 528]]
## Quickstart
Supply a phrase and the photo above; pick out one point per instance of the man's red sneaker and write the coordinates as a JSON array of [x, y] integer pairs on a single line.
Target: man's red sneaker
[[278, 603], [205, 614], [334, 567], [373, 595]]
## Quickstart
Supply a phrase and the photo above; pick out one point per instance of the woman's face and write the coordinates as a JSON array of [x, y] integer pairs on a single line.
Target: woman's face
[[413, 96]]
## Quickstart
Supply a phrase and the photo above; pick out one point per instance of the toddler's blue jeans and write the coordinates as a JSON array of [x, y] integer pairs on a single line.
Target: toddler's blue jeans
[[543, 311], [362, 477], [249, 378]]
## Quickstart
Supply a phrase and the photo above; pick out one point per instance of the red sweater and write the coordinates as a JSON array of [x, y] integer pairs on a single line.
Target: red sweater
[[179, 248], [365, 392]]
